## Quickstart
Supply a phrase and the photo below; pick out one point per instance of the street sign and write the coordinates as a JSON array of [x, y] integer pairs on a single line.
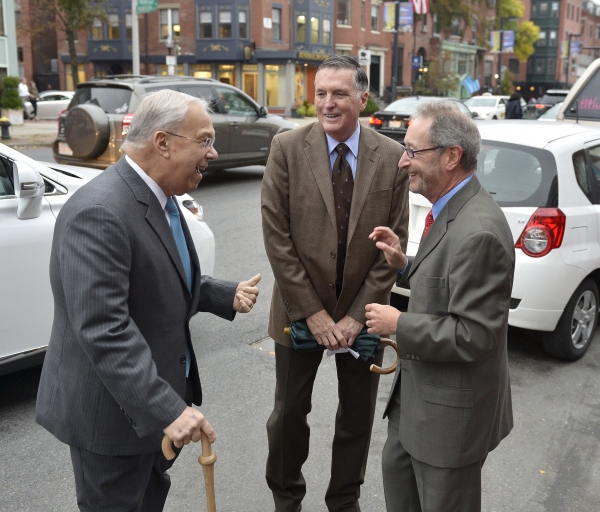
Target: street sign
[[406, 15], [145, 6], [364, 57], [417, 62]]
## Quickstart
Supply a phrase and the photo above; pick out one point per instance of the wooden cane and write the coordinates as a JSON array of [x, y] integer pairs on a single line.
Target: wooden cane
[[207, 460], [390, 369]]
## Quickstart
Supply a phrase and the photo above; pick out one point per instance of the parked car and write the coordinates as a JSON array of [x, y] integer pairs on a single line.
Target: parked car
[[545, 103], [545, 177], [550, 115], [393, 120], [92, 130], [50, 104], [488, 106], [31, 195]]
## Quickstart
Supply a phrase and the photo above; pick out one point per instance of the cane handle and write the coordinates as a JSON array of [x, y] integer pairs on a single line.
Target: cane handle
[[167, 448], [207, 460], [389, 369], [286, 331]]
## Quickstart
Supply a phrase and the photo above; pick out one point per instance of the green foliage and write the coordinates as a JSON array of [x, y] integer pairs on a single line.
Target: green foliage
[[311, 110], [10, 97], [525, 37], [445, 10], [371, 108], [506, 86], [301, 111], [436, 82]]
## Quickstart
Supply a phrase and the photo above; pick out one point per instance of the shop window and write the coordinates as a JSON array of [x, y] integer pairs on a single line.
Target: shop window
[[327, 32], [206, 25], [113, 26], [314, 30], [163, 69], [243, 24], [343, 12], [275, 85], [301, 28], [128, 21], [169, 23], [225, 25], [69, 76], [97, 33], [250, 80], [226, 73], [201, 70], [374, 18], [276, 23]]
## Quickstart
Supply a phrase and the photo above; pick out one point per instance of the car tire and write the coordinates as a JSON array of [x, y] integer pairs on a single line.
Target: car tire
[[87, 130], [495, 118], [575, 329]]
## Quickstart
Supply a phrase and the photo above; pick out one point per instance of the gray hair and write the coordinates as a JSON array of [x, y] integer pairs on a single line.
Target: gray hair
[[161, 110], [361, 81], [451, 127]]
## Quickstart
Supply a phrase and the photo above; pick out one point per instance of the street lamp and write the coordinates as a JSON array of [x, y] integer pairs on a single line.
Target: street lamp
[[499, 75]]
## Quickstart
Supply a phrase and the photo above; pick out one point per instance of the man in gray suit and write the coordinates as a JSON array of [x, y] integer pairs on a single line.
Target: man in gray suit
[[120, 370], [450, 403]]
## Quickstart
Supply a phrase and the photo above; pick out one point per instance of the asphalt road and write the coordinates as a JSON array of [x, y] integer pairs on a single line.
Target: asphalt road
[[550, 461]]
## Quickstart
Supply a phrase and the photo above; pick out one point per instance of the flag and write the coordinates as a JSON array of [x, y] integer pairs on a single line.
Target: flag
[[421, 6], [508, 41], [495, 41]]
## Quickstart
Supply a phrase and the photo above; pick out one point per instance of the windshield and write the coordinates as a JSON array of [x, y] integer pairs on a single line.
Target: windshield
[[552, 113], [113, 100], [517, 175], [480, 102]]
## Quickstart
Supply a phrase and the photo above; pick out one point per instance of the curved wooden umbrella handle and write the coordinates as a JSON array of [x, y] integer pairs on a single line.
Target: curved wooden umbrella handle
[[389, 369], [167, 448]]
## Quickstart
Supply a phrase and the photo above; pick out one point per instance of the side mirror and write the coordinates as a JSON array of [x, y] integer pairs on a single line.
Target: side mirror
[[29, 188], [474, 115], [262, 112]]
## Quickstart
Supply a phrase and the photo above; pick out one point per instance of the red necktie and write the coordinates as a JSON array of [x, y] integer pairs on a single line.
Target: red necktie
[[428, 223]]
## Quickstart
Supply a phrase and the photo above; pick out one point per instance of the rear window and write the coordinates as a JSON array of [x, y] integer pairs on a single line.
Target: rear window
[[587, 101], [113, 100], [517, 175], [553, 98]]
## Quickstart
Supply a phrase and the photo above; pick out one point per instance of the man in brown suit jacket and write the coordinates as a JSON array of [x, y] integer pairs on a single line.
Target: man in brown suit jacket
[[303, 242]]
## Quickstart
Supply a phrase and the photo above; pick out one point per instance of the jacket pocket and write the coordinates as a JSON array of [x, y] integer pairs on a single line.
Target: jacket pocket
[[450, 397], [432, 282]]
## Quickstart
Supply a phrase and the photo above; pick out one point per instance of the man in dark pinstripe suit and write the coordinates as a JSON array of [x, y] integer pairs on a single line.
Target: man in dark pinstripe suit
[[120, 370]]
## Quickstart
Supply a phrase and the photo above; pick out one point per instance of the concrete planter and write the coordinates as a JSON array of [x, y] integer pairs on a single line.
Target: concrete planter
[[14, 116]]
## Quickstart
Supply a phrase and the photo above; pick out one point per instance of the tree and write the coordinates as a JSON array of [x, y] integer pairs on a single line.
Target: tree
[[506, 86], [526, 34], [436, 81], [447, 10]]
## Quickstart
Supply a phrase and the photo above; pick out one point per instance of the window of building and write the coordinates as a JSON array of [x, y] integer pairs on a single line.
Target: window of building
[[201, 70], [374, 18], [598, 32], [128, 23], [17, 16], [541, 39], [250, 80], [314, 30], [97, 32], [554, 11], [363, 8], [577, 18], [552, 40], [491, 3], [169, 18], [113, 26], [552, 66], [275, 85], [436, 26], [301, 28], [225, 24], [543, 9], [513, 65], [455, 27], [276, 23], [163, 69], [226, 73], [343, 12], [539, 65], [243, 23], [69, 76], [327, 31], [533, 10], [206, 25]]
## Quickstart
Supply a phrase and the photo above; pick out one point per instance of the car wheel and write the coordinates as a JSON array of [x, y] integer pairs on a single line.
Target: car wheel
[[495, 118], [575, 329], [87, 130]]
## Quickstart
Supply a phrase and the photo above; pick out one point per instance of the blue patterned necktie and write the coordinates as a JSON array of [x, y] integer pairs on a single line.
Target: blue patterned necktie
[[185, 260]]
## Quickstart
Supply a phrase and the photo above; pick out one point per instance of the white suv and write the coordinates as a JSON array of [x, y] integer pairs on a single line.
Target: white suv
[[546, 178]]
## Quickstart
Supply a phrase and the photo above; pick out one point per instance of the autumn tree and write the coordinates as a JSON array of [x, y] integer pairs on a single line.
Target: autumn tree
[[526, 33]]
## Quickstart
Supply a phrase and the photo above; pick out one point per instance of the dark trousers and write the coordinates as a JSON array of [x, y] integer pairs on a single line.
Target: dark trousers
[[413, 486], [288, 430], [128, 483]]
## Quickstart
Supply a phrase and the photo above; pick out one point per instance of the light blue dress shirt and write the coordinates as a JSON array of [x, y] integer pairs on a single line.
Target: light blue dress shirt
[[351, 156]]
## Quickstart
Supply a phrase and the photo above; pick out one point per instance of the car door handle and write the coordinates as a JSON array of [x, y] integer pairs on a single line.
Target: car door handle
[[234, 124]]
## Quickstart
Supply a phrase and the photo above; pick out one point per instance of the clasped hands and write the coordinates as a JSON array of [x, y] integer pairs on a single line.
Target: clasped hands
[[383, 319], [333, 335], [246, 294]]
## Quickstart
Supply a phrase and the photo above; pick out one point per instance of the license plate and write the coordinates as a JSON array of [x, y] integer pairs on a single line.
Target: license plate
[[64, 149], [395, 124]]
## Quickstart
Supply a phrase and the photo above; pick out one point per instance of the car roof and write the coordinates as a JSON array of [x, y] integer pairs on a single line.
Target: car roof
[[538, 135], [131, 81]]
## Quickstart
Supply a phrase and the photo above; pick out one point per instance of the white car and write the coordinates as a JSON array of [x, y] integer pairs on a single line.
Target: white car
[[545, 177], [50, 104], [488, 106], [31, 195]]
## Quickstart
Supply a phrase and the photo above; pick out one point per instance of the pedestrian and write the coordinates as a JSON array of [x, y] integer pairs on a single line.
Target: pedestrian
[[120, 371], [450, 403], [513, 107], [326, 271], [34, 96], [24, 95]]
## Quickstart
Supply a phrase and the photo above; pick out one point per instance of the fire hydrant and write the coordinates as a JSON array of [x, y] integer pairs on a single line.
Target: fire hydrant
[[5, 123]]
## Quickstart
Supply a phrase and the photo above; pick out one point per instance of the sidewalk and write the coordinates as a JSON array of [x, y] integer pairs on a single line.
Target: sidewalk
[[32, 133]]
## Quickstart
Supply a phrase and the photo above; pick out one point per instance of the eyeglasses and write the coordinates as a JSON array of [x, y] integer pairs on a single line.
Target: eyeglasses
[[411, 152], [206, 143]]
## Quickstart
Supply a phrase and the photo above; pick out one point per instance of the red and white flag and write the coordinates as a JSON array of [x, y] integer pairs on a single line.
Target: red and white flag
[[421, 6]]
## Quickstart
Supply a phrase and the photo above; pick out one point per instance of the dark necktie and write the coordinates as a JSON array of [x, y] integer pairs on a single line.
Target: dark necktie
[[343, 183], [184, 254], [428, 223]]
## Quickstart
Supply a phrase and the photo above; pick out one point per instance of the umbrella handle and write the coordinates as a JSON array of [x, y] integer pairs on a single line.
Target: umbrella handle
[[389, 369], [167, 448], [207, 460]]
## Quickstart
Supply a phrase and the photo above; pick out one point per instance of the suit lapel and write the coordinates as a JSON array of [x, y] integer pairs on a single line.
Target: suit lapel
[[320, 167], [155, 215], [366, 166], [441, 224]]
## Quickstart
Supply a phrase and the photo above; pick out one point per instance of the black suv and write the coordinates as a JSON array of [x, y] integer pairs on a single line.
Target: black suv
[[93, 128]]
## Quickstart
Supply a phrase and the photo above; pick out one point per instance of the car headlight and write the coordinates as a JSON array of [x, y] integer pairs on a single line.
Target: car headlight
[[195, 208]]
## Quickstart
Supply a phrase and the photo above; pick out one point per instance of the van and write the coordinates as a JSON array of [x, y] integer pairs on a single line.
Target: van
[[582, 104]]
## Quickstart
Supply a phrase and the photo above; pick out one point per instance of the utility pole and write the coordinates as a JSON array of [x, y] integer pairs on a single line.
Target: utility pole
[[395, 56], [135, 39], [499, 80]]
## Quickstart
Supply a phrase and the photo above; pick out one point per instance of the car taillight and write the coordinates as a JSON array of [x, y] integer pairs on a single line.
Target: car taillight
[[126, 123], [540, 106], [375, 121], [543, 232]]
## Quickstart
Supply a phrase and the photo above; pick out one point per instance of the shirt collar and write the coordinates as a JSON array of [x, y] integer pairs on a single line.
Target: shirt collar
[[352, 142], [442, 201], [158, 192]]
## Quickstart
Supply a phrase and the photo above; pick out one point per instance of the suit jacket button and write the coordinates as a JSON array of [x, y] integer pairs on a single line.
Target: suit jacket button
[[133, 424], [182, 360], [330, 285], [332, 255]]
